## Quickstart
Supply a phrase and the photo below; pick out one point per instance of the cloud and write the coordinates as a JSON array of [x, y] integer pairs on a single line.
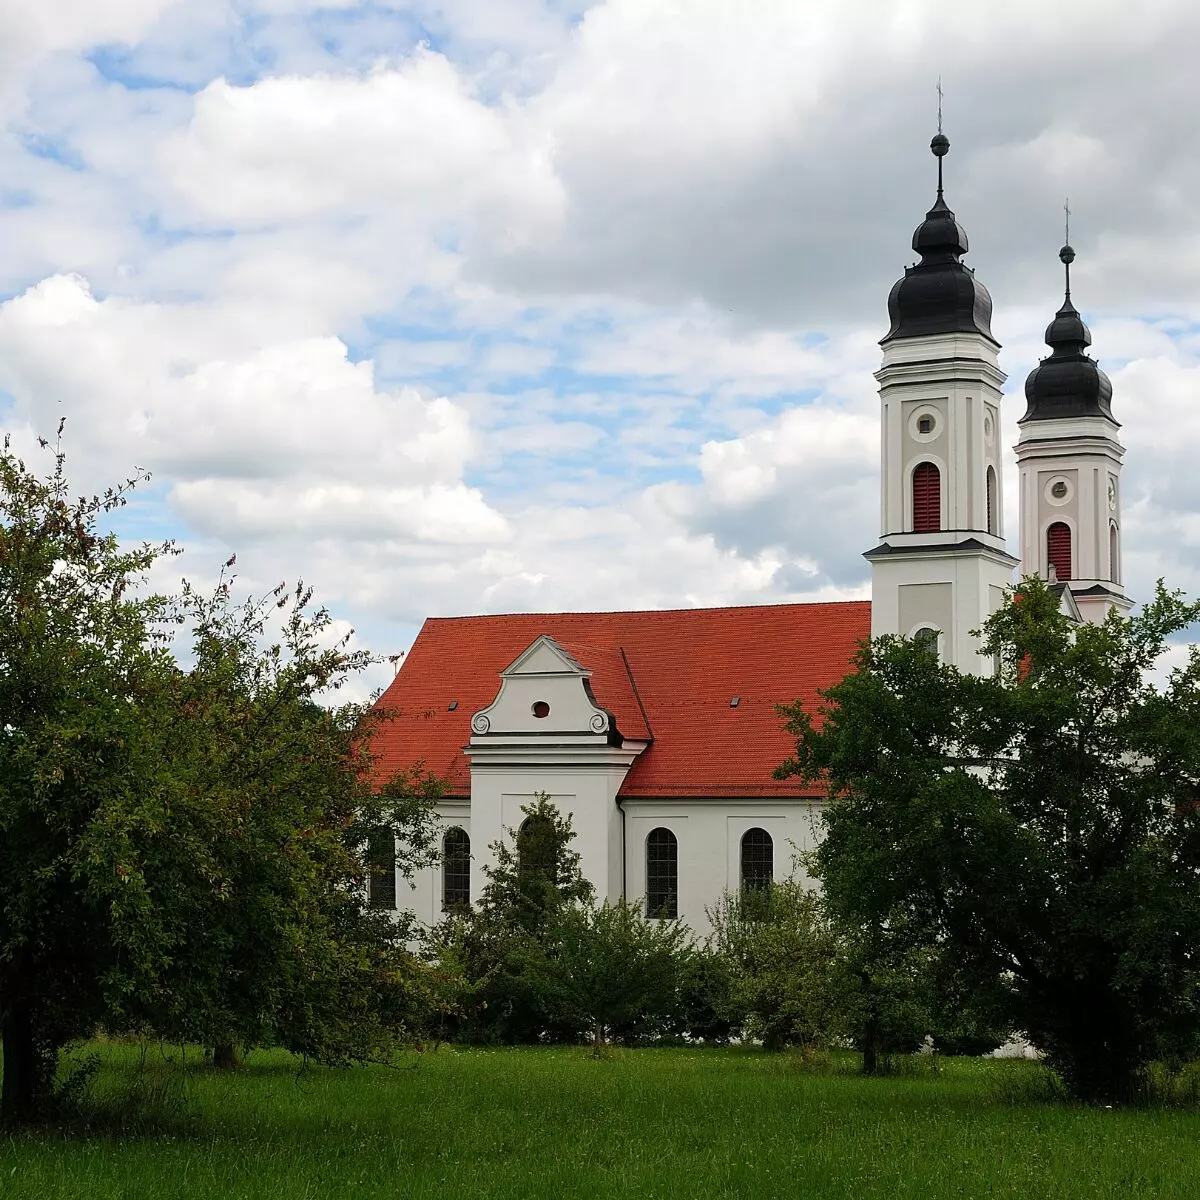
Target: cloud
[[470, 306], [291, 440]]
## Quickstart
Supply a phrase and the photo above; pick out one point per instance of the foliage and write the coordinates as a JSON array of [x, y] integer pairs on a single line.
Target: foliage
[[533, 873], [180, 849], [82, 663], [786, 987], [600, 968], [277, 803], [1036, 832], [797, 979]]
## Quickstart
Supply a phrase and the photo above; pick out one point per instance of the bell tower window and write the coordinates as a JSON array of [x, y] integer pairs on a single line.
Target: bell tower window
[[927, 498], [1114, 554], [1058, 550], [992, 523]]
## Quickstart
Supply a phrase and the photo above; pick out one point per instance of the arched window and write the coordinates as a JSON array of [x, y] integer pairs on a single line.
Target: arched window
[[992, 520], [456, 869], [381, 869], [662, 874], [1114, 554], [929, 637], [1058, 550], [535, 847], [758, 860], [926, 498]]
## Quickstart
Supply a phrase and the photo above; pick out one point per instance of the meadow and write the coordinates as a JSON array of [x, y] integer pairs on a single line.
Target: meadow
[[556, 1123]]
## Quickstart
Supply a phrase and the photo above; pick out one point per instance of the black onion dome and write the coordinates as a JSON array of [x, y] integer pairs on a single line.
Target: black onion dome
[[1068, 383], [939, 294]]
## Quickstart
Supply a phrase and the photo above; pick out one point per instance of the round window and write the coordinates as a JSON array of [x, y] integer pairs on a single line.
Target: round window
[[1059, 491], [540, 709]]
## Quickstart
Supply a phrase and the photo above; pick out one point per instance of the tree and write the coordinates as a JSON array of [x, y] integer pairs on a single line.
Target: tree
[[180, 849], [1036, 832], [279, 809], [782, 958], [600, 967], [797, 979], [532, 875], [82, 659]]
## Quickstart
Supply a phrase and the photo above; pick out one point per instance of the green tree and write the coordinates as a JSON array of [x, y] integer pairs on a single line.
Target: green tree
[[82, 663], [786, 987], [1036, 832], [181, 849], [532, 874], [278, 808], [602, 967]]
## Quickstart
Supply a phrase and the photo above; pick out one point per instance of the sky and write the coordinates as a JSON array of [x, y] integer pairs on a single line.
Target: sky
[[519, 305]]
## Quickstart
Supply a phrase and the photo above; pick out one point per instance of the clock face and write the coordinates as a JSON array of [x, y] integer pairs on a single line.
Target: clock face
[[1112, 494]]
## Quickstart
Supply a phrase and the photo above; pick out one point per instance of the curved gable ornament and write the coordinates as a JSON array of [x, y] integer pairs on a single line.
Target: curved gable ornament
[[545, 692]]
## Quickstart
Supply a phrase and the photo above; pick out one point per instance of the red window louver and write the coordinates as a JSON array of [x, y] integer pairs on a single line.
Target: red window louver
[[1058, 550], [927, 498]]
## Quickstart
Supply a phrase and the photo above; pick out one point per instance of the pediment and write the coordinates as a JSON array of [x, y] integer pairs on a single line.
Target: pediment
[[544, 657], [545, 692]]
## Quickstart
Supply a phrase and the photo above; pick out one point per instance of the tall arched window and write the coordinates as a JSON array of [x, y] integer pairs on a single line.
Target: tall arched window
[[381, 869], [456, 869], [758, 860], [1114, 554], [662, 874], [535, 847], [1058, 550], [926, 498], [993, 523]]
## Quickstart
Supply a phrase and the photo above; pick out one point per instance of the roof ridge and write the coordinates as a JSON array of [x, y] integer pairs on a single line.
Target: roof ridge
[[658, 612]]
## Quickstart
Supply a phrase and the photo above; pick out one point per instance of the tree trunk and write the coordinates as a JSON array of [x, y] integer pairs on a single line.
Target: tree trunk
[[20, 1065], [598, 1040], [870, 1053], [225, 1056]]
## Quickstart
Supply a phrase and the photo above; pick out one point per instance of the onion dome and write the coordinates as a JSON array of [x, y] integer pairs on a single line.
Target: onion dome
[[1068, 383], [939, 294]]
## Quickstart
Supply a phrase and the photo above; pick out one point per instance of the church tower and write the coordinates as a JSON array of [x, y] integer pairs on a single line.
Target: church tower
[[1069, 467], [941, 566]]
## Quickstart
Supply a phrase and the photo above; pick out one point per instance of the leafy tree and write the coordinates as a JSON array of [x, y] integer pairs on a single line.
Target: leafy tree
[[180, 849], [1036, 832], [81, 666], [785, 985], [281, 805], [602, 967], [532, 875]]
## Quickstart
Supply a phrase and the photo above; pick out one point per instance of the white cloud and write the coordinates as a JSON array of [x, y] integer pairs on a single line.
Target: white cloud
[[629, 263], [411, 139]]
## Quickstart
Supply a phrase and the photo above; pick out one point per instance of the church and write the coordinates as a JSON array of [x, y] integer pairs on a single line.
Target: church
[[658, 731]]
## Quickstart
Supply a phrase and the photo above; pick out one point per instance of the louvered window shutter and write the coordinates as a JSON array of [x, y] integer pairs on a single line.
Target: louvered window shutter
[[1058, 549], [927, 498]]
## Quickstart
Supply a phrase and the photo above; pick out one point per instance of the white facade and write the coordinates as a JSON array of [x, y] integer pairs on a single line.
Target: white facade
[[1069, 471], [574, 755], [940, 404]]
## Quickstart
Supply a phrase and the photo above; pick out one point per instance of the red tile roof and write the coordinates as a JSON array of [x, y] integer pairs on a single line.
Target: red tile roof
[[679, 667]]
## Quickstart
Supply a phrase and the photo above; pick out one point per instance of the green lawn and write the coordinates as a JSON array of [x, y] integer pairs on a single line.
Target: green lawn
[[648, 1123]]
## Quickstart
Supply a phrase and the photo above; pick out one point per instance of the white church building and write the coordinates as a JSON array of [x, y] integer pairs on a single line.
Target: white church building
[[658, 731]]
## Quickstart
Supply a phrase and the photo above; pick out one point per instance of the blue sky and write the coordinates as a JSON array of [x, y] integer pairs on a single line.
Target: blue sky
[[507, 304]]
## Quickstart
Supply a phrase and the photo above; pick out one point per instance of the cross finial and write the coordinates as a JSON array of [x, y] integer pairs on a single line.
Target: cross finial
[[1067, 255], [941, 96]]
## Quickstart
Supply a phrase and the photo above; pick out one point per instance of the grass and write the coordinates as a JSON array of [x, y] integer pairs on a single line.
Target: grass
[[646, 1123]]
